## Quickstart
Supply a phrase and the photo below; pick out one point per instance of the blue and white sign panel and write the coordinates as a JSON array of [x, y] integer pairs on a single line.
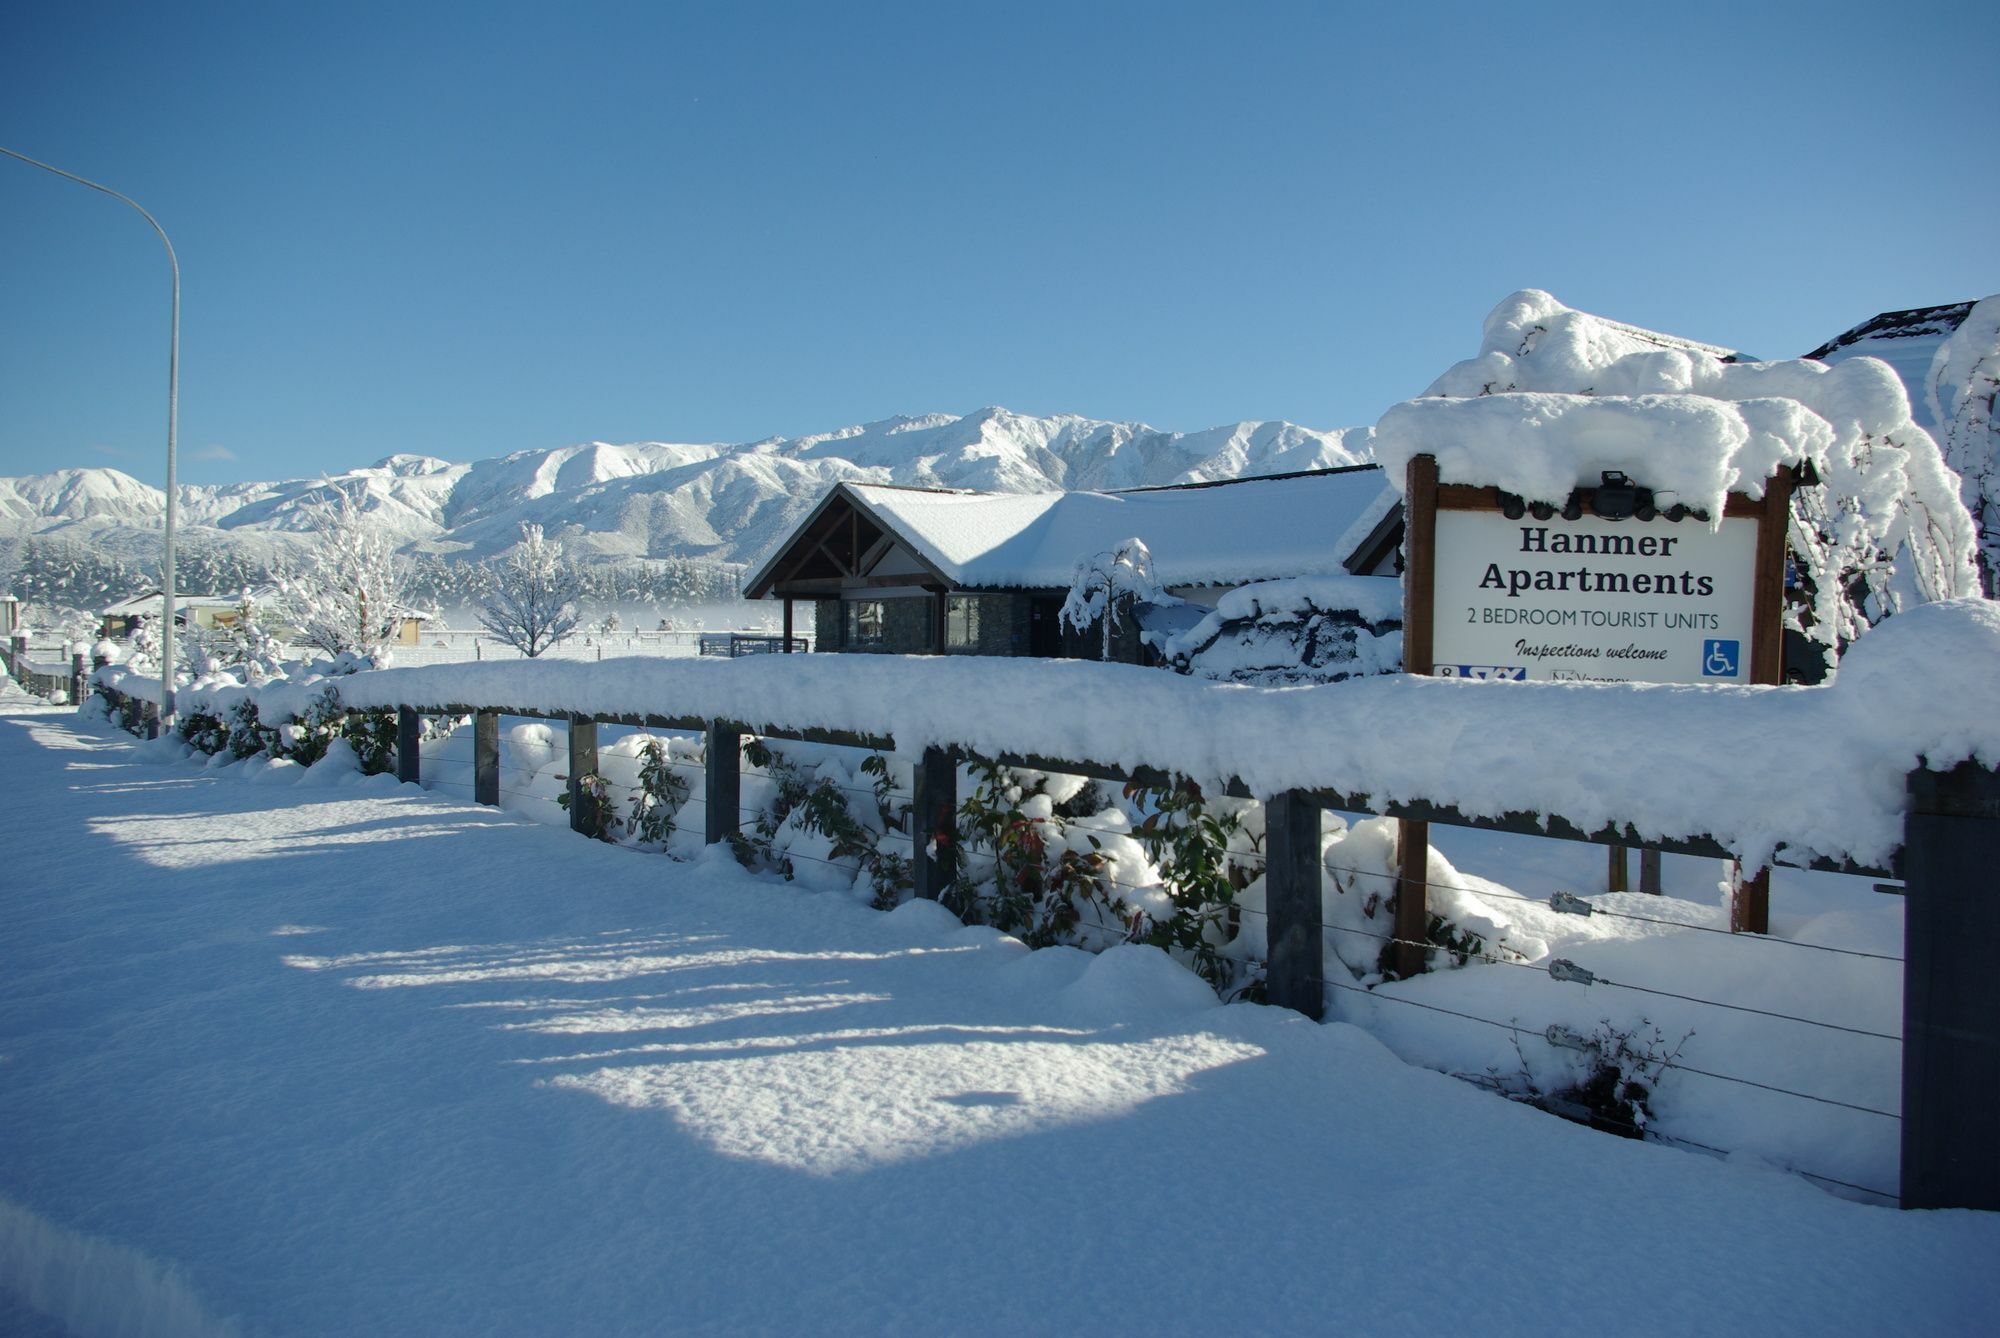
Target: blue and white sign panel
[[1592, 600]]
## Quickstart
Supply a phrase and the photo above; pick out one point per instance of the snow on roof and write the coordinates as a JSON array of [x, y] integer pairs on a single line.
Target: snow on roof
[[1207, 534], [1908, 341], [149, 602]]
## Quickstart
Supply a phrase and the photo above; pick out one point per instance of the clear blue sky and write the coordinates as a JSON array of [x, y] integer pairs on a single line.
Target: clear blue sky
[[471, 230]]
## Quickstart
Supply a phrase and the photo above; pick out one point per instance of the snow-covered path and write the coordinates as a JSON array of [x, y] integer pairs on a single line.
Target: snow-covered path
[[294, 1059]]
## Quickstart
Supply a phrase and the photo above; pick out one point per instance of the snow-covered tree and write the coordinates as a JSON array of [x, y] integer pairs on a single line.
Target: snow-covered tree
[[532, 605], [1964, 385], [347, 595], [1108, 584], [144, 652], [247, 644]]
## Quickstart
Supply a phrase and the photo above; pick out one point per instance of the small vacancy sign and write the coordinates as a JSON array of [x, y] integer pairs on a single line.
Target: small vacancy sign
[[1593, 600]]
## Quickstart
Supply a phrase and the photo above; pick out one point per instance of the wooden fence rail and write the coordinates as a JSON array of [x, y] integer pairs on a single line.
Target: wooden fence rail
[[1951, 1073]]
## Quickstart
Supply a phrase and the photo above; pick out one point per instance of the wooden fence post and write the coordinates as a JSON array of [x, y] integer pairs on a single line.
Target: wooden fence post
[[1413, 909], [583, 814], [934, 822], [79, 678], [1649, 872], [409, 737], [1749, 901], [1617, 877], [486, 758], [149, 712], [1295, 976], [724, 782], [1951, 994]]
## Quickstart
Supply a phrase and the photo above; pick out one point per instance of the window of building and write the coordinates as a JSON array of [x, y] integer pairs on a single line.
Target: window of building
[[961, 622], [864, 622]]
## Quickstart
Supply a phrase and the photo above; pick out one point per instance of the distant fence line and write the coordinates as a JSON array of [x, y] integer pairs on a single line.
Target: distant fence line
[[1950, 1129], [50, 677]]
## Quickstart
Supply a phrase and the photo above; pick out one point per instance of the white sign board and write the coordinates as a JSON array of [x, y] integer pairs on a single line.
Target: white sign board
[[1592, 600]]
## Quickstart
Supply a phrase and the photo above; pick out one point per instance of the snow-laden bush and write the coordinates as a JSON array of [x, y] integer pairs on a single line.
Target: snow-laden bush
[[1026, 861], [1363, 867], [1964, 393], [1106, 586], [1311, 629], [818, 819]]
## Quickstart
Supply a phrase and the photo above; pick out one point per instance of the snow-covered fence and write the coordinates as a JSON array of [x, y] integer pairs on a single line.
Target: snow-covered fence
[[1803, 776], [52, 679], [458, 645]]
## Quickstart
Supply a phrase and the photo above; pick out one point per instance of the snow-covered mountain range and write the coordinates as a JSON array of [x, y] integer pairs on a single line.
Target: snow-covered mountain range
[[656, 499]]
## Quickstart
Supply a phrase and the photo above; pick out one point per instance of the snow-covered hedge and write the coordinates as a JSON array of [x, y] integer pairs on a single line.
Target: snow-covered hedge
[[1819, 770]]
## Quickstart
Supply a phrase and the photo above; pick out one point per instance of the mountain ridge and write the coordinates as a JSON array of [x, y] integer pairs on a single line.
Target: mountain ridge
[[613, 502]]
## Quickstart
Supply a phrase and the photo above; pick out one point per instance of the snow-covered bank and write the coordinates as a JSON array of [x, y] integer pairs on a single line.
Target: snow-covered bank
[[1673, 761], [358, 1060]]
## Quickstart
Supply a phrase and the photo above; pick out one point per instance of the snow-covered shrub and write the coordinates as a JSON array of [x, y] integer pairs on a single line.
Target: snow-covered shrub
[[1106, 585], [142, 651], [249, 736], [372, 735], [1605, 1079], [246, 645], [1964, 393], [662, 792], [1311, 629], [1050, 859], [204, 732], [602, 820], [825, 813], [1189, 839], [1015, 872], [1362, 867]]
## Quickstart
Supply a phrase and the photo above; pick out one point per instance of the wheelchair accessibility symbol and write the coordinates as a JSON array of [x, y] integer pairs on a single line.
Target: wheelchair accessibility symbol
[[1718, 659]]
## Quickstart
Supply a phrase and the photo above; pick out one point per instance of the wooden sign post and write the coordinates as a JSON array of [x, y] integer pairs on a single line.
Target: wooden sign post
[[1610, 588]]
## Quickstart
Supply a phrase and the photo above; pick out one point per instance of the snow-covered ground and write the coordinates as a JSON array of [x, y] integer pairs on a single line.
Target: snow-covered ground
[[293, 1057]]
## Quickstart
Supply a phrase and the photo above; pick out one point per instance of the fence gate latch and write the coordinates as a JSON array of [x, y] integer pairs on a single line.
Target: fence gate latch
[[1564, 969], [1559, 1035], [1569, 904]]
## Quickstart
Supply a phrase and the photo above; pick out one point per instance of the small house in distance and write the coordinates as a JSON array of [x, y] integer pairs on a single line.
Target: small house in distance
[[901, 570], [208, 612]]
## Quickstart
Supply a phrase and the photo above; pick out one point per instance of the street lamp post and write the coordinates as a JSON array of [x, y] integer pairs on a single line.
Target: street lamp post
[[166, 714]]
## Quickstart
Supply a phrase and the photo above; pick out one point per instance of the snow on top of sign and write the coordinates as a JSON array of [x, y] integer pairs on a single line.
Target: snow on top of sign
[[1251, 530], [1688, 448], [1557, 396], [1819, 770]]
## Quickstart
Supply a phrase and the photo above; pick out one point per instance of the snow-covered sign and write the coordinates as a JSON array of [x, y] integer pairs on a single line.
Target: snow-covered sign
[[1556, 398], [1593, 600]]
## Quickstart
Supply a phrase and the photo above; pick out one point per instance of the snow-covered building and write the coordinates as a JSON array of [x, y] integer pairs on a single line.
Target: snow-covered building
[[1948, 359], [903, 570], [1908, 341], [206, 612]]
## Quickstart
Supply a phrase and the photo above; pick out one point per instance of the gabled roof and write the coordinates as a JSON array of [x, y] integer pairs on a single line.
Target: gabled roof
[[1907, 341], [1199, 534], [149, 602]]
